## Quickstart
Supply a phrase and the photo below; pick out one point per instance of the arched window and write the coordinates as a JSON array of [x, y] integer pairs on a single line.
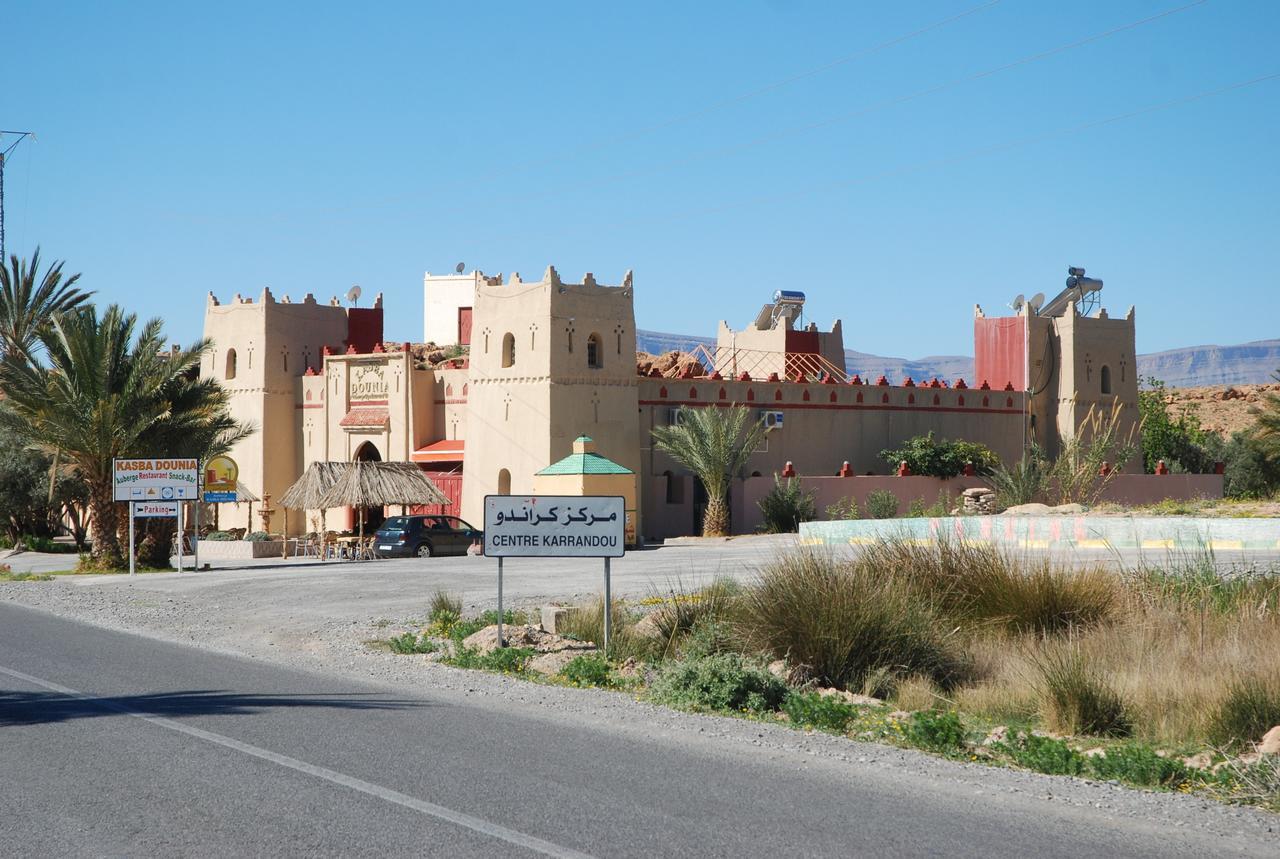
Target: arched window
[[504, 482], [231, 364], [1106, 379], [595, 354], [508, 351]]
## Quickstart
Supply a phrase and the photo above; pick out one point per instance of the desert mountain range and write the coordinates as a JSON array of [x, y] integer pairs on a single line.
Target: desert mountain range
[[1192, 366]]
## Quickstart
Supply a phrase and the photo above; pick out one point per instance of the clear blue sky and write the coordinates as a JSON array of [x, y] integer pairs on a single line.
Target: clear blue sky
[[307, 147]]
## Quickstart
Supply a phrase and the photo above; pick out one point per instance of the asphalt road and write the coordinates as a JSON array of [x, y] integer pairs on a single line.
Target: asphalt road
[[114, 744]]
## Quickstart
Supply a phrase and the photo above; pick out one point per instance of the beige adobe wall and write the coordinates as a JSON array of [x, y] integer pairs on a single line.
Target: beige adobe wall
[[820, 433], [274, 342], [523, 417], [450, 391], [442, 296], [1091, 348], [594, 484], [769, 346]]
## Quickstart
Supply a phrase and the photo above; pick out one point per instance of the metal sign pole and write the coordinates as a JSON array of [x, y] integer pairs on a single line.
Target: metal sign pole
[[608, 607], [133, 570], [180, 535], [501, 643], [195, 540]]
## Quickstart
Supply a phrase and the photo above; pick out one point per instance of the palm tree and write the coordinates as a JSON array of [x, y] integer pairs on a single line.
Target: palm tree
[[1266, 432], [715, 444], [107, 394], [27, 308]]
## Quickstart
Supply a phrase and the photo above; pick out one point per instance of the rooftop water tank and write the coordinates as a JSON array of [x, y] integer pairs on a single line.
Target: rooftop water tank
[[788, 296]]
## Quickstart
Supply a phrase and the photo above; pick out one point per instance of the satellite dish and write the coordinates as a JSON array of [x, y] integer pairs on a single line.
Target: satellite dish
[[460, 267], [1017, 302], [1036, 301], [353, 294]]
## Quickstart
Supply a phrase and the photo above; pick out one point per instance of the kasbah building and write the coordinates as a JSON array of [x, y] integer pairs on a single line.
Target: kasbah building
[[552, 372]]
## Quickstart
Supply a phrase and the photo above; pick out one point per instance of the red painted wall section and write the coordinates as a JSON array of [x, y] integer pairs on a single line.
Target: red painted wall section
[[999, 356], [802, 342], [364, 327]]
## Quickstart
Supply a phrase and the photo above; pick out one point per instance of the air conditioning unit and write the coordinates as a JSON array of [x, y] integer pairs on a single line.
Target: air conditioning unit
[[771, 420], [675, 417]]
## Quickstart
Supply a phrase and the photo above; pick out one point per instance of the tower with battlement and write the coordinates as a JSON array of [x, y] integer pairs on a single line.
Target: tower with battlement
[[259, 350]]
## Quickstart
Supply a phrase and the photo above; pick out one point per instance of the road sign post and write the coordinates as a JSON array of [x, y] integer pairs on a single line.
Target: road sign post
[[556, 526], [151, 480]]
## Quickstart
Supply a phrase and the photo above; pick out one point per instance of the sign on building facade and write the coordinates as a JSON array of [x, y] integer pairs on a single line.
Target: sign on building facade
[[554, 526], [220, 476], [156, 479]]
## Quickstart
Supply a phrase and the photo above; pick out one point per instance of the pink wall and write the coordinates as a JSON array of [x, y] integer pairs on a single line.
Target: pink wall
[[1124, 489]]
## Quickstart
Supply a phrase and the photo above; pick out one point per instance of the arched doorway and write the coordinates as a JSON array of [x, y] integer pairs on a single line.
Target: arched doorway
[[373, 516]]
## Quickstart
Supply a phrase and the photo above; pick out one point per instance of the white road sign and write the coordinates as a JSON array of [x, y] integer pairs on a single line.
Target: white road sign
[[554, 526], [157, 509], [156, 479]]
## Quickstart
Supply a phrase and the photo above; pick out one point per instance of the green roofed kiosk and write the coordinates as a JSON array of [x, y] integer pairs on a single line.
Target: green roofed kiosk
[[585, 472]]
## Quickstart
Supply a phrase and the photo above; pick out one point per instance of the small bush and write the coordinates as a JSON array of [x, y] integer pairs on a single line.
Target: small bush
[[409, 644], [507, 660], [258, 537], [824, 712], [1078, 701], [1138, 764], [1024, 482], [586, 622], [938, 732], [463, 628], [785, 506], [882, 504], [846, 619], [724, 681], [677, 613], [845, 508], [218, 536], [931, 457], [1250, 708], [510, 616], [445, 609], [590, 669], [1045, 755]]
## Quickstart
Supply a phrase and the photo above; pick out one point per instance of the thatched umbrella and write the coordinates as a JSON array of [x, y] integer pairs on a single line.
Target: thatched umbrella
[[377, 484], [307, 492], [243, 493]]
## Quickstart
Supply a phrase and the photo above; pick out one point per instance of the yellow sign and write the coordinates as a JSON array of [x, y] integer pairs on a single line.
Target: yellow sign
[[221, 474]]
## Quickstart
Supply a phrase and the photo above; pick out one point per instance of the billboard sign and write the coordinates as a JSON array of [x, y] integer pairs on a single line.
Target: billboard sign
[[156, 479], [554, 526], [156, 509], [220, 476]]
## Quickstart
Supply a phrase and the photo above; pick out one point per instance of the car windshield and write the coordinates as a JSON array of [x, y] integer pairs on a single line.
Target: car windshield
[[395, 523]]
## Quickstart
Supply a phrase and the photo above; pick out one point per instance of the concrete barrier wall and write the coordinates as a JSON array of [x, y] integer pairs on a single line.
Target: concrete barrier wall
[[238, 550], [1042, 532]]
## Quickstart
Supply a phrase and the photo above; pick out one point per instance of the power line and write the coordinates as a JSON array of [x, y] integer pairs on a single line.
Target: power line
[[4, 155]]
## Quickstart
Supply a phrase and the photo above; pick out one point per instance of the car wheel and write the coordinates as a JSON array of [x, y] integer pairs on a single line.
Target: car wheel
[[424, 551]]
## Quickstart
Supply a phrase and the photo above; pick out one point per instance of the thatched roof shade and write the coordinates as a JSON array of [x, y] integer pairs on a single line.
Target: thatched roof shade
[[243, 493], [377, 484], [309, 490]]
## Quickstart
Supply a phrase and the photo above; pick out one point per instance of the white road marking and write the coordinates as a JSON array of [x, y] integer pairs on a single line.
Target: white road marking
[[458, 818]]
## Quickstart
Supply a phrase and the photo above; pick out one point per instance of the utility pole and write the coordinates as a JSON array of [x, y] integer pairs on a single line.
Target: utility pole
[[4, 155]]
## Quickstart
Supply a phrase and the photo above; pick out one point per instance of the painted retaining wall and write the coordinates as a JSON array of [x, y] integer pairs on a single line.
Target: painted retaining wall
[[1060, 531], [239, 550]]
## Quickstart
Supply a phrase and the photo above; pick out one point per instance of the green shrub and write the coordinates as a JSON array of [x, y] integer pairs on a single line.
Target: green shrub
[[785, 506], [445, 609], [409, 643], [7, 575], [586, 622], [1177, 439], [936, 731], [846, 508], [1045, 755], [930, 457], [677, 613], [1076, 700], [1250, 709], [916, 509], [507, 660], [218, 536], [1248, 473], [258, 537], [1024, 482], [972, 583], [1138, 764], [845, 619], [720, 682], [882, 504], [824, 712], [590, 669], [467, 626], [510, 616]]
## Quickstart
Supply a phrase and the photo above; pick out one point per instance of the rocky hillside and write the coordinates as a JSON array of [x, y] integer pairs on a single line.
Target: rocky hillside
[[1222, 409], [1244, 364]]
